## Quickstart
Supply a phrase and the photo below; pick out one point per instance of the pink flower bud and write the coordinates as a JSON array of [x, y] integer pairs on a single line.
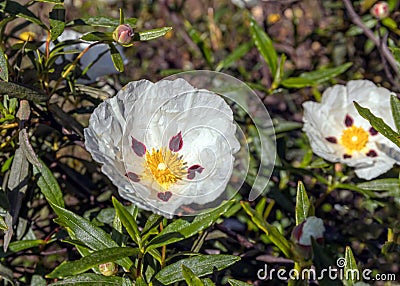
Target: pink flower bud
[[380, 10], [123, 35]]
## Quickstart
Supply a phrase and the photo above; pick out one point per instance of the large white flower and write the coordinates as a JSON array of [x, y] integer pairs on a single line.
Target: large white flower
[[165, 145], [338, 133]]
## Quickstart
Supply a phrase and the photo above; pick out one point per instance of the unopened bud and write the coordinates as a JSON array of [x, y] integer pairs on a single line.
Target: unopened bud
[[108, 269], [123, 35], [380, 10]]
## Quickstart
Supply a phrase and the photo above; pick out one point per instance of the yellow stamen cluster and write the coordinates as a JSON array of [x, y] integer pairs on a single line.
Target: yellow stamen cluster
[[164, 167], [354, 139]]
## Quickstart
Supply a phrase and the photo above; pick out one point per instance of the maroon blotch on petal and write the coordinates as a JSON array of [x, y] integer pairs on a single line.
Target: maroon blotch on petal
[[331, 139], [164, 196], [348, 121], [138, 147], [192, 171], [176, 142], [346, 156], [373, 131], [133, 177], [372, 153]]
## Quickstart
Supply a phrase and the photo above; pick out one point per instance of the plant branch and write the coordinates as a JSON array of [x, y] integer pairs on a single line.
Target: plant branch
[[383, 48]]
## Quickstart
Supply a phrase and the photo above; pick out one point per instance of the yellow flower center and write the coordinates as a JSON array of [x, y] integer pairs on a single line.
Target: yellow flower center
[[164, 167], [354, 139]]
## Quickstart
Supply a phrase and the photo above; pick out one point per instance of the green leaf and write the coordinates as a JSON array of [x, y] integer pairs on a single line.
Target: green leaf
[[264, 45], [90, 279], [48, 185], [152, 222], [302, 203], [101, 21], [190, 278], [3, 225], [207, 282], [234, 282], [3, 66], [151, 34], [200, 265], [97, 37], [297, 82], [15, 9], [350, 268], [6, 274], [85, 231], [51, 1], [116, 58], [379, 124], [57, 21], [20, 245], [92, 260], [128, 221], [181, 229], [389, 184], [390, 23], [395, 105], [322, 260], [238, 53], [22, 92], [322, 75], [272, 232]]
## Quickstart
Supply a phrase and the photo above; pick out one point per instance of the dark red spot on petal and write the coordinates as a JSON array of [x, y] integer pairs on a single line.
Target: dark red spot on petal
[[192, 171], [372, 153], [348, 121], [176, 142], [133, 177], [373, 131], [331, 139], [346, 156], [138, 147], [164, 196]]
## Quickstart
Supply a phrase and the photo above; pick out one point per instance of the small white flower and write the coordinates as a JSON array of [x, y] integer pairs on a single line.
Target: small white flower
[[338, 133], [311, 227], [165, 145]]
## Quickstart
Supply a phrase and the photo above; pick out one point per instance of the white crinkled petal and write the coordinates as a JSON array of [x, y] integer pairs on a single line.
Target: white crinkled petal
[[152, 114], [313, 227], [326, 119]]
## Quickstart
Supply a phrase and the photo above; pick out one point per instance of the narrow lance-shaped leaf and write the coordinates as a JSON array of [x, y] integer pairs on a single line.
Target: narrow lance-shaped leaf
[[379, 124], [57, 21], [297, 82], [234, 282], [181, 229], [116, 58], [22, 92], [264, 45], [302, 203], [3, 66], [92, 260], [238, 53], [85, 231], [89, 279], [322, 75], [190, 278], [200, 265], [272, 232], [101, 21], [15, 9], [128, 221], [350, 268], [395, 104], [151, 34]]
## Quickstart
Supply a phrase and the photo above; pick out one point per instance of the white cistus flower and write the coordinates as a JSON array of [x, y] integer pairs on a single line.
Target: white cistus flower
[[338, 133], [311, 227], [165, 145]]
